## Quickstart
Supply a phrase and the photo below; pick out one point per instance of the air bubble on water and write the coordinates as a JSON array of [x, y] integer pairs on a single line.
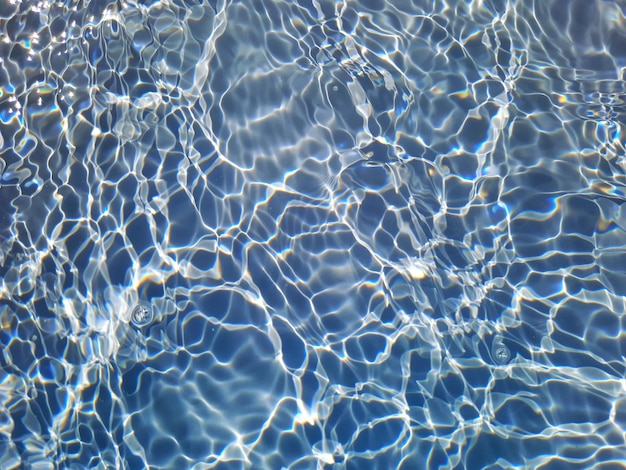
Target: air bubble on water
[[141, 315]]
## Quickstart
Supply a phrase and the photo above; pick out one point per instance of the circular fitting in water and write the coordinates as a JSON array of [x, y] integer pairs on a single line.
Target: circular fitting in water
[[500, 352], [141, 315]]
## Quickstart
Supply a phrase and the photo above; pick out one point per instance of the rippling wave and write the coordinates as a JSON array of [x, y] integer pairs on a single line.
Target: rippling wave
[[312, 234]]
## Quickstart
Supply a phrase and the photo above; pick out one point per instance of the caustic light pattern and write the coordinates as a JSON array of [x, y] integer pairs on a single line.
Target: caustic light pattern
[[312, 234]]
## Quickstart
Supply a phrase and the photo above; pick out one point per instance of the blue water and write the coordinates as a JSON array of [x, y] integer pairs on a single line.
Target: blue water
[[362, 234]]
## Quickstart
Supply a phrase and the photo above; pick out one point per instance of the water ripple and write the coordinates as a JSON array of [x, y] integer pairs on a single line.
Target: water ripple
[[361, 234]]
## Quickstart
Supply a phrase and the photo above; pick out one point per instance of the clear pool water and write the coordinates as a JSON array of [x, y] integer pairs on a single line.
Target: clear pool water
[[312, 234]]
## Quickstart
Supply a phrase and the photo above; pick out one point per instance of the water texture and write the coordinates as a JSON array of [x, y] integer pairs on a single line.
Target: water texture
[[359, 234]]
